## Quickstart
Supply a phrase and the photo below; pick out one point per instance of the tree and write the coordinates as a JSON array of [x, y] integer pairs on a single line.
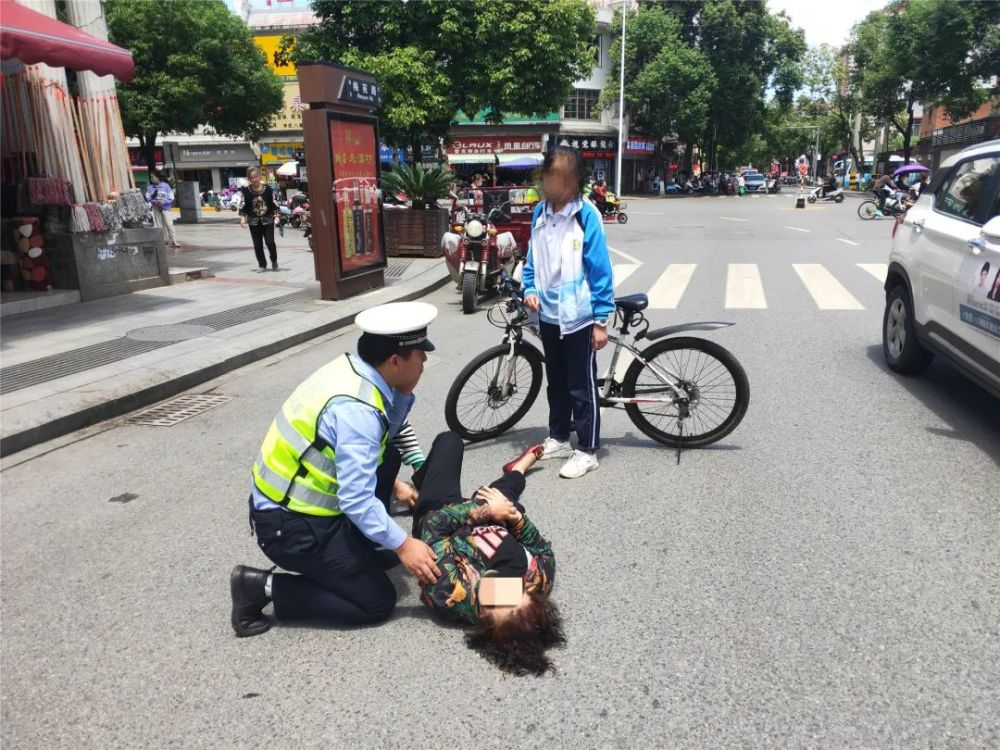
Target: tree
[[935, 52], [437, 57], [750, 52], [196, 64], [669, 83]]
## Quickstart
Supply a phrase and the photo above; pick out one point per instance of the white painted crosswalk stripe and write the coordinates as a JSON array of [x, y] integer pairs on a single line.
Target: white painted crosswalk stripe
[[744, 289], [669, 288], [622, 271], [878, 270], [826, 291]]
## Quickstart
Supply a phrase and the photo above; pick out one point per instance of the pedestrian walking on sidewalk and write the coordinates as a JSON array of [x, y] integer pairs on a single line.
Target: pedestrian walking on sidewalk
[[258, 212], [160, 198], [568, 282]]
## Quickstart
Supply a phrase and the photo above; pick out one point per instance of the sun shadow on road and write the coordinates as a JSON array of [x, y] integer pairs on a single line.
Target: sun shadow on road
[[972, 413]]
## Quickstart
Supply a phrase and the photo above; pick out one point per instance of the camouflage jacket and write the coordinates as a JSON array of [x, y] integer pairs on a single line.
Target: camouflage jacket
[[449, 533]]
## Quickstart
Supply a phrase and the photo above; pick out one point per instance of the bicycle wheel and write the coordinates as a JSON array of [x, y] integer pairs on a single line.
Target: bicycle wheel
[[714, 380], [867, 210], [477, 409]]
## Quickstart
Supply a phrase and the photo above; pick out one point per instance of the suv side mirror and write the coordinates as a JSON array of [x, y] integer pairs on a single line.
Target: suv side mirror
[[991, 232]]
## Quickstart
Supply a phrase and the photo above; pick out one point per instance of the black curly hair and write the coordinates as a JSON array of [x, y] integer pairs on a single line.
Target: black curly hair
[[517, 643]]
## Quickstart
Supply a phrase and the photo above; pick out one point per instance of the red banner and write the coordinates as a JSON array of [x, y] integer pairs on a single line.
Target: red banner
[[355, 191]]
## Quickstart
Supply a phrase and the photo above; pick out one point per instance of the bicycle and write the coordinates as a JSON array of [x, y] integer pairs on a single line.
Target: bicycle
[[496, 389]]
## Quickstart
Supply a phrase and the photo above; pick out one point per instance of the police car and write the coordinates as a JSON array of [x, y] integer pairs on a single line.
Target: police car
[[943, 283]]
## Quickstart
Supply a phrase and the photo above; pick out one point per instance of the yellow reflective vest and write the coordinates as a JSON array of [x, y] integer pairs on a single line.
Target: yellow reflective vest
[[296, 468]]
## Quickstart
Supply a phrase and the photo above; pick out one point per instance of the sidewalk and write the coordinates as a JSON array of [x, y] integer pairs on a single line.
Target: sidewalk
[[64, 368]]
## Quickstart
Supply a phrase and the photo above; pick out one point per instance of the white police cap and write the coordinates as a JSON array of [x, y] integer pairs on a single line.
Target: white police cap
[[403, 322]]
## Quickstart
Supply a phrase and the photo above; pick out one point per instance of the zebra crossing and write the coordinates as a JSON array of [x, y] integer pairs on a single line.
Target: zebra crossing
[[745, 289]]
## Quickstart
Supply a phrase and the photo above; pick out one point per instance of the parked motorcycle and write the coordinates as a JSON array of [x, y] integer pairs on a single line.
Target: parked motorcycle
[[297, 214], [832, 196], [476, 254]]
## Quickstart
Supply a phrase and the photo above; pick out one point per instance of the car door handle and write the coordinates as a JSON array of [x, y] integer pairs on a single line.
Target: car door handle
[[977, 244], [918, 225]]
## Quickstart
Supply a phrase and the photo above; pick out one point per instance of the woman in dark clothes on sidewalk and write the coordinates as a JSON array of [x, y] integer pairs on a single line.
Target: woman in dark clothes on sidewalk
[[258, 211], [496, 568]]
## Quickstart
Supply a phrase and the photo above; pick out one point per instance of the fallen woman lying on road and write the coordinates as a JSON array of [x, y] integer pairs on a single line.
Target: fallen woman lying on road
[[496, 568]]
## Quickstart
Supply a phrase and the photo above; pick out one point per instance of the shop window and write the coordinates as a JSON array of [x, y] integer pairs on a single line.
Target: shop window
[[582, 105]]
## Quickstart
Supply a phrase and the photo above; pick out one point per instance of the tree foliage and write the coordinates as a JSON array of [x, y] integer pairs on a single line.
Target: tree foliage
[[703, 70], [196, 64], [437, 57], [937, 52], [669, 83]]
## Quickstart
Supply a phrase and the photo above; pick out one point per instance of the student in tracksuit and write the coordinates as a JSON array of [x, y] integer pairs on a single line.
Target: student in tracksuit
[[568, 282]]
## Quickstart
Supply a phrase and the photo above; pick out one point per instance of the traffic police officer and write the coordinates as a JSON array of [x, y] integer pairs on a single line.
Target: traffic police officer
[[322, 482]]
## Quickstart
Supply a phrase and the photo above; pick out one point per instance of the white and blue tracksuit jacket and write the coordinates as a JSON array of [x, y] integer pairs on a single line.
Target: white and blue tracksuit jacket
[[579, 282]]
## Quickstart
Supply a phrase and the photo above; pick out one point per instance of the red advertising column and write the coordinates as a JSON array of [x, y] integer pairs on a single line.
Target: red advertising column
[[341, 142]]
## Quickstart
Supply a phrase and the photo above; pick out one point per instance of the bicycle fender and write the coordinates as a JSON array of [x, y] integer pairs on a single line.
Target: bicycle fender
[[708, 325]]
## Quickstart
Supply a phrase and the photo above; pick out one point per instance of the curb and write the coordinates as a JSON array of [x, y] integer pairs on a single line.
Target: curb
[[117, 407]]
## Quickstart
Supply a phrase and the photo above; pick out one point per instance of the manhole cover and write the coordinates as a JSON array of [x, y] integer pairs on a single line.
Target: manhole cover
[[174, 332], [177, 410]]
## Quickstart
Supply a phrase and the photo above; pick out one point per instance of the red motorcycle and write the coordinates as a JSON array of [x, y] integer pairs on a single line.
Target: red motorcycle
[[476, 253]]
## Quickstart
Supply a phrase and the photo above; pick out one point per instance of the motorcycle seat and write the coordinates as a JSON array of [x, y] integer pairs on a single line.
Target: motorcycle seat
[[632, 302]]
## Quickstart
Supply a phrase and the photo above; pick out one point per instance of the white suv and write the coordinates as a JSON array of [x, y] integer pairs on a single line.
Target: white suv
[[943, 284]]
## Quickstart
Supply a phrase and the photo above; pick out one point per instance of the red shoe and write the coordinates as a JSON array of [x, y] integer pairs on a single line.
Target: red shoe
[[536, 449]]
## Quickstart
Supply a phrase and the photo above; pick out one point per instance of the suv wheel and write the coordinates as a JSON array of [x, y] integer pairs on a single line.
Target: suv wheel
[[903, 353]]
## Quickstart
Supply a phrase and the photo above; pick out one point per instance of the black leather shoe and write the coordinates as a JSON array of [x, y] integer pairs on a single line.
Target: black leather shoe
[[246, 585]]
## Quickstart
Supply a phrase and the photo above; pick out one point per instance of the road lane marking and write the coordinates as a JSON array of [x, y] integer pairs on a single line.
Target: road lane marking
[[849, 242], [826, 291], [799, 229], [732, 218], [878, 270], [743, 287], [669, 288], [622, 271], [626, 256]]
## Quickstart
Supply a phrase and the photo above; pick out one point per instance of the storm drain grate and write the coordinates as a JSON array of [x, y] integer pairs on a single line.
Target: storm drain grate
[[37, 371], [397, 267], [248, 313], [177, 410]]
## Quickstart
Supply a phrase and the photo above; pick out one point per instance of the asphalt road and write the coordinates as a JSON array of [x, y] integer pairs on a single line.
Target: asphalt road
[[825, 577]]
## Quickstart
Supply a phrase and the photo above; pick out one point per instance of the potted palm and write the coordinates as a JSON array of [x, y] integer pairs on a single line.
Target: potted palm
[[416, 230]]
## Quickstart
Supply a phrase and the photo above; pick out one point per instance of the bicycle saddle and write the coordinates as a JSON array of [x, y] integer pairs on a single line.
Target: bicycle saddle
[[632, 302]]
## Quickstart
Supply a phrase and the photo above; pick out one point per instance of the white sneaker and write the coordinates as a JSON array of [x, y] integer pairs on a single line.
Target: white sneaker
[[578, 465], [552, 448]]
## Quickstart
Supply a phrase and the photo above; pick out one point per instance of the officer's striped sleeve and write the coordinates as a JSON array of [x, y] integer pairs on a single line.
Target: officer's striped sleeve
[[409, 447]]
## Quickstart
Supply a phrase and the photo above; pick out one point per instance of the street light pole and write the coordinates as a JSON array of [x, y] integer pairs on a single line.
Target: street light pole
[[816, 157], [621, 105]]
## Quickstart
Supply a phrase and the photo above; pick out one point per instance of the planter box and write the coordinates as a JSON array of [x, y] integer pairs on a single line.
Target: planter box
[[409, 232]]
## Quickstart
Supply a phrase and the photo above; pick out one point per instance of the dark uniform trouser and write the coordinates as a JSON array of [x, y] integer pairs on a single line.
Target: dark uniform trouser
[[342, 580], [440, 479]]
